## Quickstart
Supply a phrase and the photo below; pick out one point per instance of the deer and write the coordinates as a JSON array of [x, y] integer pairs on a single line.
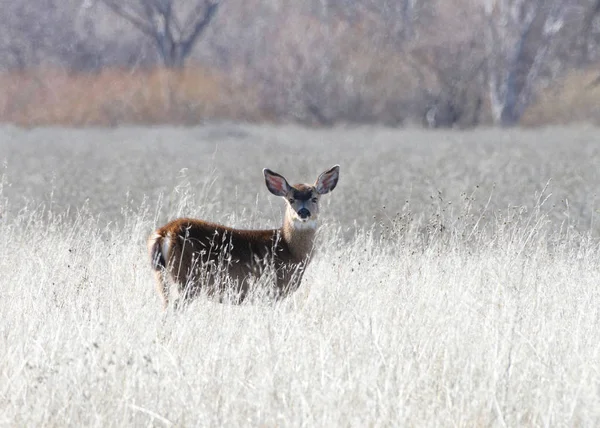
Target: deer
[[194, 255]]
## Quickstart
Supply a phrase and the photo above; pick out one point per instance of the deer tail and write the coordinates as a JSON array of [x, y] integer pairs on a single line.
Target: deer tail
[[158, 249]]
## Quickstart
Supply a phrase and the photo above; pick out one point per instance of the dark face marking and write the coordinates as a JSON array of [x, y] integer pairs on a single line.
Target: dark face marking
[[302, 192], [302, 196]]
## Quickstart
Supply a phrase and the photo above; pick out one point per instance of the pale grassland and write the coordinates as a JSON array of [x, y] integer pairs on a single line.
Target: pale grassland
[[477, 305]]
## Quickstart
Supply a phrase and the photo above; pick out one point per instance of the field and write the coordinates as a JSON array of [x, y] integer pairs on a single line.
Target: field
[[455, 284]]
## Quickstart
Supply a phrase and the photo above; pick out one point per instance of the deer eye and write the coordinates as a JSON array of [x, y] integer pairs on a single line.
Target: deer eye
[[291, 200], [315, 200]]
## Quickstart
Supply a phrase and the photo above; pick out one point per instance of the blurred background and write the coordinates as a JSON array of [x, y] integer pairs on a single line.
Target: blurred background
[[431, 63]]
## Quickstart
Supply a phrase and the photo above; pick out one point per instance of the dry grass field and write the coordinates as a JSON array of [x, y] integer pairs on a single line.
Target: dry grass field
[[50, 97], [455, 284]]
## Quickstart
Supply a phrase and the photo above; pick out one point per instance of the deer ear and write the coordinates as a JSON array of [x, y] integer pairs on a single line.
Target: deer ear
[[277, 184], [328, 180]]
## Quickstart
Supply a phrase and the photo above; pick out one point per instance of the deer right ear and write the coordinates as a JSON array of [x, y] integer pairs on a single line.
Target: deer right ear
[[328, 180], [277, 184]]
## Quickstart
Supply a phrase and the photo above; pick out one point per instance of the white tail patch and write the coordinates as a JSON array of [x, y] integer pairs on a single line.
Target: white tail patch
[[166, 246], [153, 238]]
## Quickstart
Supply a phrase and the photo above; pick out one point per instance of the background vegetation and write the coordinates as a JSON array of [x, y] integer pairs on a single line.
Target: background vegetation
[[396, 62], [455, 283]]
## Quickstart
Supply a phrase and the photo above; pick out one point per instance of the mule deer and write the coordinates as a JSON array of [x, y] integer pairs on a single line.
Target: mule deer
[[192, 253]]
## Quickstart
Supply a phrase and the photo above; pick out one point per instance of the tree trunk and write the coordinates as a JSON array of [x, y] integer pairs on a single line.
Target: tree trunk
[[171, 52], [509, 115], [174, 58], [408, 11], [587, 28], [512, 74]]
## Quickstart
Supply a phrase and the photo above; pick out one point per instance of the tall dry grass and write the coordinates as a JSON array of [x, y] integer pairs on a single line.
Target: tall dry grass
[[121, 96], [438, 321]]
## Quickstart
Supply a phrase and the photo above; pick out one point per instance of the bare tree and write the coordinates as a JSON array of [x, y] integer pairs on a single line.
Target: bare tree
[[39, 32], [588, 25], [515, 55], [456, 97], [174, 30], [408, 18]]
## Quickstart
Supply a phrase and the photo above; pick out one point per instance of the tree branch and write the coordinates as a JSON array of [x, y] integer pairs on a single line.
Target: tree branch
[[139, 23], [552, 25], [198, 28], [158, 20]]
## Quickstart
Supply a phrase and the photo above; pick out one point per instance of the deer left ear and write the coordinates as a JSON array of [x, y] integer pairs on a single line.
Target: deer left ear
[[328, 180], [276, 183]]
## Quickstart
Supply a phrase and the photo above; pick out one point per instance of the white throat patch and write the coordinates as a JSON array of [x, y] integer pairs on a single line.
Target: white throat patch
[[309, 224]]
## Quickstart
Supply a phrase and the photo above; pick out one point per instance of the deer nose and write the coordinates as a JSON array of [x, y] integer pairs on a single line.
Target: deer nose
[[304, 213]]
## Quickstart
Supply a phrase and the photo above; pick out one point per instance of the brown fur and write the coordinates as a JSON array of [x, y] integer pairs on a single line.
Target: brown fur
[[243, 254]]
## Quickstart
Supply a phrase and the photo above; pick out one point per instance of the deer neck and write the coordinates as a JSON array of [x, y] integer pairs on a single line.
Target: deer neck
[[299, 236]]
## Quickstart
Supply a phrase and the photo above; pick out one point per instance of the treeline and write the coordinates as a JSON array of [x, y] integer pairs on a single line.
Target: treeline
[[397, 62]]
